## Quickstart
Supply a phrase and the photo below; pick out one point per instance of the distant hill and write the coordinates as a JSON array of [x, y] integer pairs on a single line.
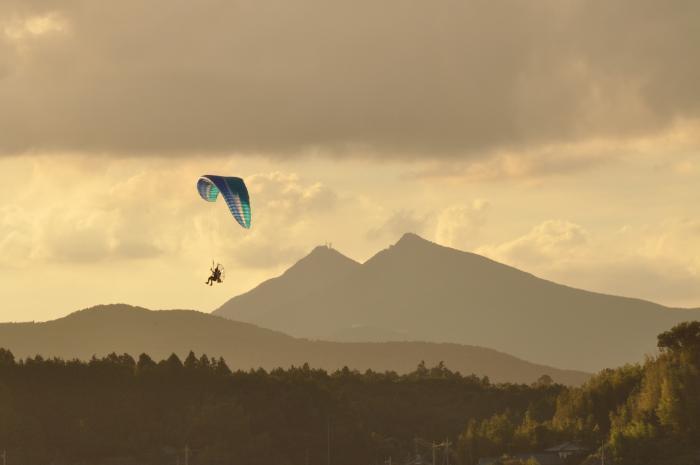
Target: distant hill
[[418, 290], [134, 330]]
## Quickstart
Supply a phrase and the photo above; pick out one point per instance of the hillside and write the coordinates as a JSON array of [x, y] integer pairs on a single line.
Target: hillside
[[418, 290], [134, 330], [321, 268]]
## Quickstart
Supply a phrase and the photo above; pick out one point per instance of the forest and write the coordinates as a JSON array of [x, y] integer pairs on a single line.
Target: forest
[[120, 410]]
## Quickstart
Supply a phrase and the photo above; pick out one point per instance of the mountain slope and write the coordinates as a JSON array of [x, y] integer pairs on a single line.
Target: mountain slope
[[428, 292], [134, 330], [323, 267]]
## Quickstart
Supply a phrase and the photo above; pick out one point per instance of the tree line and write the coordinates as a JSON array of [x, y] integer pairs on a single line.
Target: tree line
[[641, 414], [120, 410]]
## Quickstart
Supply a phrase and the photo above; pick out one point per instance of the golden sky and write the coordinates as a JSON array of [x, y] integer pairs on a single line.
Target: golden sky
[[561, 137]]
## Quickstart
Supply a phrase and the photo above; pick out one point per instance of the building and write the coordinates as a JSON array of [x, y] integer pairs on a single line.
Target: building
[[567, 450], [556, 455], [542, 458]]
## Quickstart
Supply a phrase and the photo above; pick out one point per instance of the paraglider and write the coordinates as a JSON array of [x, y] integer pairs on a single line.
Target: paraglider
[[235, 194], [217, 274]]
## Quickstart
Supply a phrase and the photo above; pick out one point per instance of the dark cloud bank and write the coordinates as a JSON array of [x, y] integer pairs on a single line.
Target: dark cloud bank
[[398, 78]]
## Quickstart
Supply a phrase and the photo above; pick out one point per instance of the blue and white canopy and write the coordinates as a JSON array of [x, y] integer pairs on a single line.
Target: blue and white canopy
[[234, 192]]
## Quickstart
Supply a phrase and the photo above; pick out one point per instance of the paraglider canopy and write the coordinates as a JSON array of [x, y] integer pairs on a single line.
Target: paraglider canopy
[[234, 192]]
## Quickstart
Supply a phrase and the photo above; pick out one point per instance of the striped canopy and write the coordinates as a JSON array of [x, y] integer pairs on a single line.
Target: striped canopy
[[234, 192]]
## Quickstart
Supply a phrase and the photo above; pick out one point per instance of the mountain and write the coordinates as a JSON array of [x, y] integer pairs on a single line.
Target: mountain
[[424, 291], [134, 330], [323, 267], [366, 334]]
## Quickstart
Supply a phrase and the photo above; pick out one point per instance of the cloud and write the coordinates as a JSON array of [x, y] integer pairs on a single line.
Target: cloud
[[550, 241], [455, 225], [80, 210], [676, 239], [78, 236], [458, 226], [658, 262], [511, 165], [387, 79], [288, 195], [71, 235], [290, 208], [264, 253], [16, 236], [19, 30], [398, 223], [661, 280]]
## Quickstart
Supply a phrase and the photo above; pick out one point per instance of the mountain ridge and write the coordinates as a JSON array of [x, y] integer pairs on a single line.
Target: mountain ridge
[[122, 328], [302, 278], [435, 293]]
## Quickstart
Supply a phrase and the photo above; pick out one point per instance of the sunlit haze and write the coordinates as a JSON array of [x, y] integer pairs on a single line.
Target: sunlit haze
[[568, 148]]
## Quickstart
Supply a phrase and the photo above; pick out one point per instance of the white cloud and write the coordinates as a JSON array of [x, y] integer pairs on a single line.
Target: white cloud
[[659, 262], [456, 225], [16, 236], [459, 225], [19, 29], [286, 210], [675, 239], [551, 241], [398, 223], [119, 212], [287, 194]]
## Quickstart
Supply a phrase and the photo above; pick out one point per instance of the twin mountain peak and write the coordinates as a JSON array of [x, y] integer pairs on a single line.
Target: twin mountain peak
[[420, 291], [413, 301]]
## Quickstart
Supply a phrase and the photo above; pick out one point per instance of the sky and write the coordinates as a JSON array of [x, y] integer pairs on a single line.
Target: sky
[[561, 137]]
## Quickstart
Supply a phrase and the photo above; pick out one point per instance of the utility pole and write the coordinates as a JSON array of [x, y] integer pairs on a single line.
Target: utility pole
[[602, 453], [328, 439], [447, 451], [4, 457], [433, 448], [187, 454]]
